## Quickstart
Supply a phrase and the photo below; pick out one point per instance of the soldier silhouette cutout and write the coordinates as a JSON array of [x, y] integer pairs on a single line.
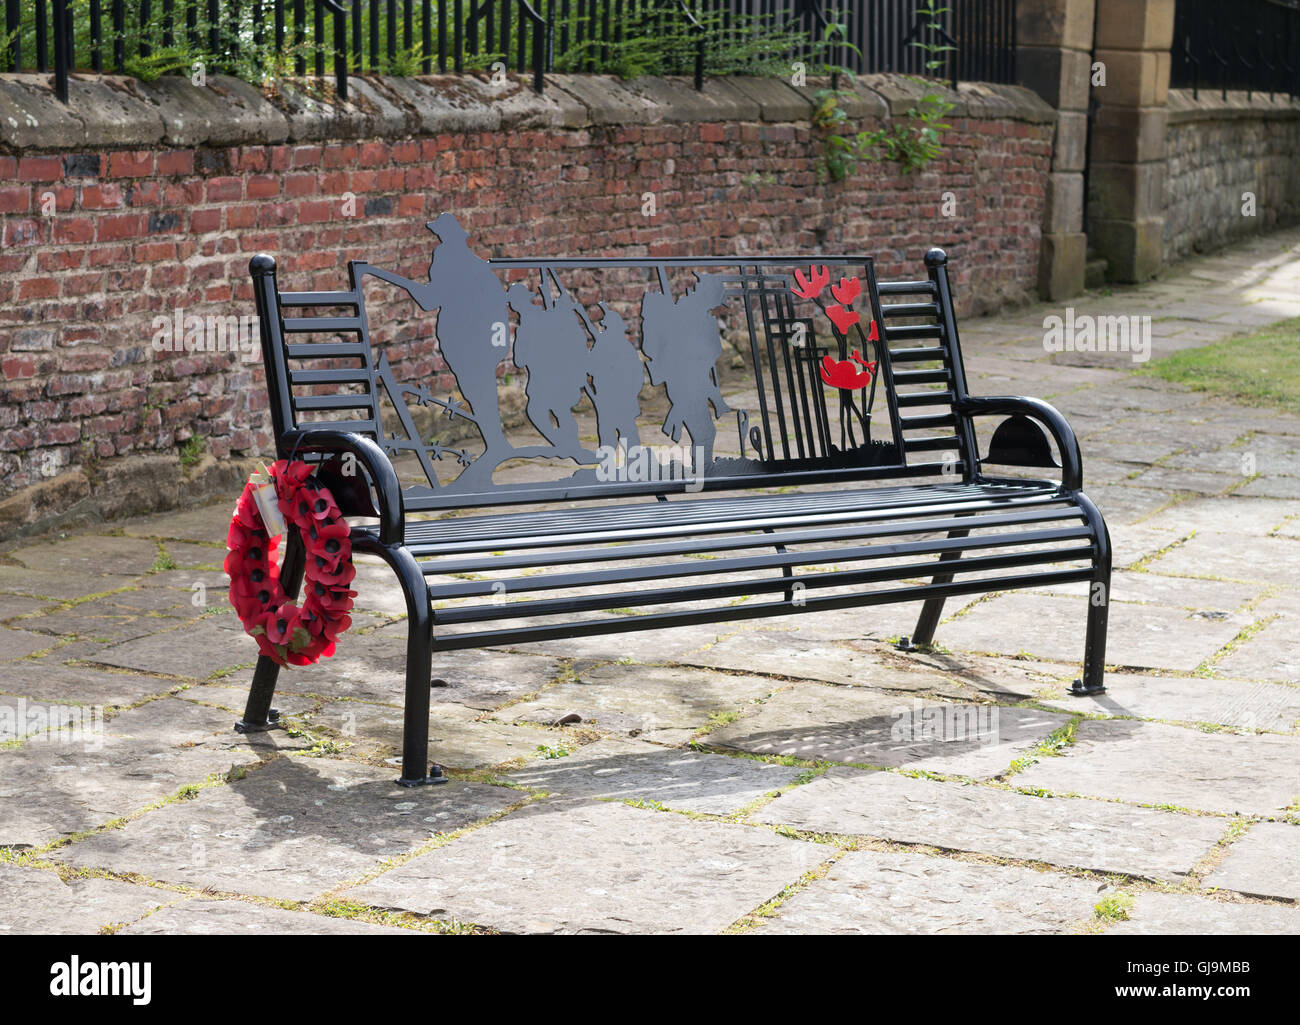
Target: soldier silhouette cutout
[[551, 344], [682, 345], [472, 313], [616, 373]]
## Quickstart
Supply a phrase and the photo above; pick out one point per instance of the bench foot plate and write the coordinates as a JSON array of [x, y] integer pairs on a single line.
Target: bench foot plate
[[272, 723], [1082, 690], [435, 777]]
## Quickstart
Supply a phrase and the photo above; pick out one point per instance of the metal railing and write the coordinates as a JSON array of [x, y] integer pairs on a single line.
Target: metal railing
[[1251, 45], [269, 38]]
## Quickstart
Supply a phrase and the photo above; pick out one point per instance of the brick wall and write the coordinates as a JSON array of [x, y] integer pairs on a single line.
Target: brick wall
[[1218, 149], [98, 240]]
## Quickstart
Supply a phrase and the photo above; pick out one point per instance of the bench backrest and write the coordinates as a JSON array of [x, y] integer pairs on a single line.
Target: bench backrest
[[846, 385]]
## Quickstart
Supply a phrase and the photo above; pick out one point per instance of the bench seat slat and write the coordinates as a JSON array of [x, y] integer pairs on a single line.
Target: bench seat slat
[[736, 588], [906, 288], [624, 524], [606, 576], [703, 545], [756, 610]]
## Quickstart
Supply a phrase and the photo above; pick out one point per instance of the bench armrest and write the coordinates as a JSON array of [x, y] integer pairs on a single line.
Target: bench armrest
[[369, 455], [1041, 412]]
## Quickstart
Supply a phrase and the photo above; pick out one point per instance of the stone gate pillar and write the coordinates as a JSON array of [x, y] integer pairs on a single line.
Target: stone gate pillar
[[1053, 57], [1126, 175]]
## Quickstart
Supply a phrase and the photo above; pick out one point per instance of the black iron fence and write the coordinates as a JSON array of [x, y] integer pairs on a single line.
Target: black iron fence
[[1251, 45], [259, 40]]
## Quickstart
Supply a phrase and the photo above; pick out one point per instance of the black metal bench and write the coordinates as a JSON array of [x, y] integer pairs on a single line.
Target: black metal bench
[[849, 476]]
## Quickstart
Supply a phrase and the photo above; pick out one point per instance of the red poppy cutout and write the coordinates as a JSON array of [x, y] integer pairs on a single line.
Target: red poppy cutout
[[285, 632], [843, 319], [810, 289], [846, 374], [847, 290]]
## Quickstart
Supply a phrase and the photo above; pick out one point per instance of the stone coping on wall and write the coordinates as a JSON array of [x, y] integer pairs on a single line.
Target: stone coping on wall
[[1211, 105], [111, 112]]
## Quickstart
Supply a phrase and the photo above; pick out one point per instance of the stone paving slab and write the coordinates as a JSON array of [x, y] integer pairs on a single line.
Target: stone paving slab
[[457, 739], [205, 523], [1151, 763], [666, 704], [1273, 560], [682, 780], [571, 867], [37, 901], [16, 644], [851, 725], [291, 830], [235, 698], [1232, 516], [912, 894], [1074, 833], [789, 654], [1177, 914], [194, 651], [1272, 653], [49, 790], [242, 918], [1263, 863], [1266, 486], [51, 681], [1173, 592], [1053, 629], [1014, 679], [1241, 703], [372, 667]]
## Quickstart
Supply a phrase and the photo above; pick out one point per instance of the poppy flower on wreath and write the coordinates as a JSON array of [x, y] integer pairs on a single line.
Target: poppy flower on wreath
[[286, 632]]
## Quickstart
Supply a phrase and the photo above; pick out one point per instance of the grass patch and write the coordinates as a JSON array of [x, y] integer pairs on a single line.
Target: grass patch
[[1259, 368]]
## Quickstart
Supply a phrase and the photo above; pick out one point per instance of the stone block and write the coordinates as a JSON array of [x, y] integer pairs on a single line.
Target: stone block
[[1071, 150], [1127, 191], [1065, 23], [1061, 77], [1129, 135], [1062, 260], [1133, 78], [1134, 249], [1064, 208], [1135, 24]]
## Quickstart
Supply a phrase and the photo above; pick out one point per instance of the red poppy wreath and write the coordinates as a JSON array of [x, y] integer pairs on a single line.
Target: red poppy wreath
[[288, 633]]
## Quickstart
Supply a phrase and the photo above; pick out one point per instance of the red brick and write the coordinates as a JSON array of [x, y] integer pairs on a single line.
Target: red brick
[[39, 169], [115, 228], [15, 200], [262, 186], [177, 162], [130, 165]]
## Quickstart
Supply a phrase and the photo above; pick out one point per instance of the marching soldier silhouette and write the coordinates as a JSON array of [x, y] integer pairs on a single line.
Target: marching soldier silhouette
[[616, 375], [551, 344], [682, 345], [472, 316]]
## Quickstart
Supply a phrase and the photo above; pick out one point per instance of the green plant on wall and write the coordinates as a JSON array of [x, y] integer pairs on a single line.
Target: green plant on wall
[[912, 142]]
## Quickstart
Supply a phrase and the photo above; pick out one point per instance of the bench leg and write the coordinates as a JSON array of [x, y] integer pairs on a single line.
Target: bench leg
[[419, 669], [933, 607], [258, 713], [1094, 645]]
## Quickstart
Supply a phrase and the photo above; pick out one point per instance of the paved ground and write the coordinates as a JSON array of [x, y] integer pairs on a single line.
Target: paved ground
[[773, 777]]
